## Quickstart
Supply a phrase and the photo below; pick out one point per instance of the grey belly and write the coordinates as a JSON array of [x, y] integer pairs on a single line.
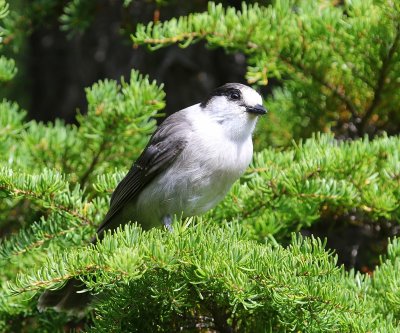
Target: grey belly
[[183, 195]]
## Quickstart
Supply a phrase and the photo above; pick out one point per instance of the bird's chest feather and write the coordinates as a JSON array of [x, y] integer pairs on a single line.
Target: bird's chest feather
[[208, 169], [219, 162]]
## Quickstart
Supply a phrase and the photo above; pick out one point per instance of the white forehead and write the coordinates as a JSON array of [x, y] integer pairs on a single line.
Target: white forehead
[[250, 96]]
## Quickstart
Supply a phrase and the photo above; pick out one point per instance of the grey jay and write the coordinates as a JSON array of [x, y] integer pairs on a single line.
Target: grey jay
[[188, 166]]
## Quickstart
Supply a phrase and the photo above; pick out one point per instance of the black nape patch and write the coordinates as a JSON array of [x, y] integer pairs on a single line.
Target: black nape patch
[[228, 90]]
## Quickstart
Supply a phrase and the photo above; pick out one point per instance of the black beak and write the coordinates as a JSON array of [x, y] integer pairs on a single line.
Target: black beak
[[256, 109]]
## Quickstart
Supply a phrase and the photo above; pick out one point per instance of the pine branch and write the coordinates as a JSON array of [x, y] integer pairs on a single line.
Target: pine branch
[[380, 83], [3, 9], [306, 72], [116, 112], [35, 237], [7, 69], [7, 66], [93, 163], [240, 277], [327, 46], [51, 191]]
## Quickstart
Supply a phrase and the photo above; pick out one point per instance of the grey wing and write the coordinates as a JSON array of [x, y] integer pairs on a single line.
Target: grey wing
[[165, 145]]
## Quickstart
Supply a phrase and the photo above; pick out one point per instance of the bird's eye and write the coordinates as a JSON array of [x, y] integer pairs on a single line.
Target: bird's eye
[[234, 96]]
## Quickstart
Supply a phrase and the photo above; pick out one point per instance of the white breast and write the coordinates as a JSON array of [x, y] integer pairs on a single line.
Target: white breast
[[199, 178]]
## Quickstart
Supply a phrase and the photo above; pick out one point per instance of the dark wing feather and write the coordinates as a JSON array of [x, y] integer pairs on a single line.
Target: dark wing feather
[[163, 148]]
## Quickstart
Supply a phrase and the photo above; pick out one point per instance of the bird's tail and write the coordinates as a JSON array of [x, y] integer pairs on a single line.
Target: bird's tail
[[72, 298]]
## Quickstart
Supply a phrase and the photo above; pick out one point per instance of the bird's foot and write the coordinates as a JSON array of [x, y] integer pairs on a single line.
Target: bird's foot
[[167, 221]]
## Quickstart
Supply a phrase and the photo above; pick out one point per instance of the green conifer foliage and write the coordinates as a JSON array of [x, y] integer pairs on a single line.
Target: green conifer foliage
[[7, 66], [338, 67], [241, 267]]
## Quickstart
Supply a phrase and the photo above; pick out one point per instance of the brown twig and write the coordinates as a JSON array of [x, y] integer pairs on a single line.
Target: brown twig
[[53, 206], [93, 163]]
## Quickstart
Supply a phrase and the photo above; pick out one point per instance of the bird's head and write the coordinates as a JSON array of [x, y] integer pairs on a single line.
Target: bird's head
[[236, 107]]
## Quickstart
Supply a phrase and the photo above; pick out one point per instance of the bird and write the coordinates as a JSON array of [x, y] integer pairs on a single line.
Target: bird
[[186, 169]]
